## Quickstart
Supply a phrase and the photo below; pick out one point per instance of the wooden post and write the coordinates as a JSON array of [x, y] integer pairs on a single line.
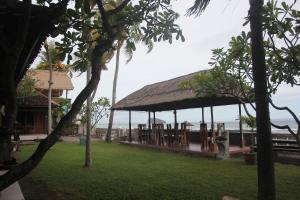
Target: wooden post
[[88, 120], [49, 59], [241, 126], [130, 139], [149, 128], [175, 117], [176, 128], [203, 115], [212, 118], [155, 130]]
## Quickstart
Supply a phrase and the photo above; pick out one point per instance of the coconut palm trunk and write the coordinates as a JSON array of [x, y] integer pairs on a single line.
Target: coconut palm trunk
[[265, 163], [88, 123], [113, 101]]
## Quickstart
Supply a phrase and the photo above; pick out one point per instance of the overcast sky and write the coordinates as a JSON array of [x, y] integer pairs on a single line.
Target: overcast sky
[[213, 29]]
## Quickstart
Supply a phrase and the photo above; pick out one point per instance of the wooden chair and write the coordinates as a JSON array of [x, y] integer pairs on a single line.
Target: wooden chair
[[158, 135], [184, 136], [142, 133], [176, 135], [170, 136], [203, 137]]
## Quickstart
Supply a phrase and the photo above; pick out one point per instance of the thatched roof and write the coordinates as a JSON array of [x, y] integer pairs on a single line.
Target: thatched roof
[[167, 95], [61, 80]]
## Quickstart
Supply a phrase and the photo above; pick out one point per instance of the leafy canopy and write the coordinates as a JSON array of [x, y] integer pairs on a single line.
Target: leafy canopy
[[56, 60], [99, 109], [151, 20], [26, 87], [232, 67]]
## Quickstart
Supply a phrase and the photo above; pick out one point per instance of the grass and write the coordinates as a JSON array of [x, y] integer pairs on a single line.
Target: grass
[[121, 172]]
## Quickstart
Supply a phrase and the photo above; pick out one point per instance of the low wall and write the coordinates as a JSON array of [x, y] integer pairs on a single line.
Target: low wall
[[117, 133], [234, 136]]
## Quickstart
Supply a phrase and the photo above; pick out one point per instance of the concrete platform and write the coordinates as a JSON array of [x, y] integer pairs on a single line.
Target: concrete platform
[[32, 137], [192, 150], [13, 192]]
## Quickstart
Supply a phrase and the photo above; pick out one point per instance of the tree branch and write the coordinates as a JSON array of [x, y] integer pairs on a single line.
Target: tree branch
[[296, 135], [285, 108], [119, 8], [277, 53], [105, 21]]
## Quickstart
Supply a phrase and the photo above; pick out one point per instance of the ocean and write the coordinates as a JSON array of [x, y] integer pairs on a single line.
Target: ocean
[[229, 125]]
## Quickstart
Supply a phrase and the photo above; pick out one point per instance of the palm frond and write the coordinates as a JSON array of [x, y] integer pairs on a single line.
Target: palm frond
[[198, 7], [149, 45], [106, 58], [128, 51]]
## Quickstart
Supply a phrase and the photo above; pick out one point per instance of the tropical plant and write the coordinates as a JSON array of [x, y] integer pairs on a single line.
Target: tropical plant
[[26, 87], [249, 121], [61, 110], [99, 110], [130, 37], [57, 61]]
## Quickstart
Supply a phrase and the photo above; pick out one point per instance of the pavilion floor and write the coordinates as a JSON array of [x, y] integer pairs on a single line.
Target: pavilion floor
[[193, 149]]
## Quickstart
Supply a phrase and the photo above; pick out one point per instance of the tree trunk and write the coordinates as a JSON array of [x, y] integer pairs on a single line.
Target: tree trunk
[[265, 163], [88, 123], [113, 101], [49, 59], [10, 107], [5, 149]]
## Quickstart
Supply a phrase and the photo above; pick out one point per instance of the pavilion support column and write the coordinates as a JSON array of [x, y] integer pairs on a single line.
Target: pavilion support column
[[176, 128], [149, 128], [203, 121], [241, 126], [154, 129], [130, 138], [212, 118]]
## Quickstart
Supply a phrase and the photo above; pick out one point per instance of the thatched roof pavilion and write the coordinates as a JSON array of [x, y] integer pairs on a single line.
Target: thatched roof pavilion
[[168, 95]]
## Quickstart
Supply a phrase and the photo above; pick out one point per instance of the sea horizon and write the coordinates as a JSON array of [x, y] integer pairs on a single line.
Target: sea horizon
[[229, 125]]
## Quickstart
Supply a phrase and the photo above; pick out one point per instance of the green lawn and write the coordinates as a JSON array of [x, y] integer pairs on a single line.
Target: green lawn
[[121, 172]]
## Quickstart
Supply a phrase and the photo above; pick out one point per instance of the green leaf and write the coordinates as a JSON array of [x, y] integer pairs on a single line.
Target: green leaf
[[73, 13]]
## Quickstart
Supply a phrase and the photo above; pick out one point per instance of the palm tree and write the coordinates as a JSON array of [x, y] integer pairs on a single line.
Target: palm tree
[[56, 60], [133, 36], [265, 163]]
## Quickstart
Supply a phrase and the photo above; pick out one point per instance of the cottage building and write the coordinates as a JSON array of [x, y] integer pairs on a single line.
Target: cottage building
[[33, 110]]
